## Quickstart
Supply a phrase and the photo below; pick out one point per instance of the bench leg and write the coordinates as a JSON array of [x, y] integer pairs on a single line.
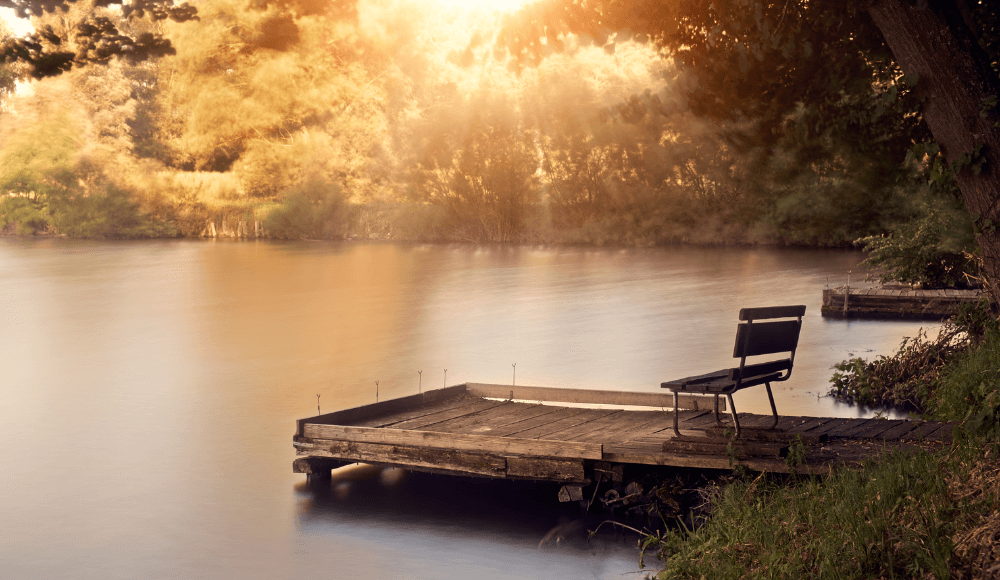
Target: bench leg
[[718, 420], [732, 411], [774, 411], [677, 431]]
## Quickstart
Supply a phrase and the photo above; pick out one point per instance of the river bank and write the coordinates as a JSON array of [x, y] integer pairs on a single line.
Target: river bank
[[918, 513]]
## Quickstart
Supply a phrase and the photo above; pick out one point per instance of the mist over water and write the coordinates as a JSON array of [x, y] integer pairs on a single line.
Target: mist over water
[[150, 392]]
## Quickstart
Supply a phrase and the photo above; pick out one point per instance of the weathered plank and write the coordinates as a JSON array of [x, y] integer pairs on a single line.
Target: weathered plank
[[420, 458], [584, 416], [416, 412], [517, 427], [356, 414], [847, 426], [623, 427], [599, 424], [465, 423], [521, 412], [922, 431], [567, 470], [943, 434], [814, 423], [876, 428], [589, 396], [320, 466], [654, 455], [439, 417], [723, 447], [463, 442], [899, 431]]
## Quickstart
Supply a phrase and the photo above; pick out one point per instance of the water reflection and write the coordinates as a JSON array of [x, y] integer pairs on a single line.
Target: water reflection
[[150, 390], [488, 528]]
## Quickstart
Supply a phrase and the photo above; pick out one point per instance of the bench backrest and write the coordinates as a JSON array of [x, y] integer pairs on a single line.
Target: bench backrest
[[755, 338]]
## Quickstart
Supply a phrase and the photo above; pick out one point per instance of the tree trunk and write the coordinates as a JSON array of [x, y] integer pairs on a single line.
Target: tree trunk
[[932, 40]]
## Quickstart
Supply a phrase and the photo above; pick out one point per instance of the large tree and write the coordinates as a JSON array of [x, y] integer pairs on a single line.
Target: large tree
[[864, 74], [97, 38]]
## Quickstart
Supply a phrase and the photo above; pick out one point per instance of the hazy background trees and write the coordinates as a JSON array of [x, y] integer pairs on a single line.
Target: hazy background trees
[[405, 119]]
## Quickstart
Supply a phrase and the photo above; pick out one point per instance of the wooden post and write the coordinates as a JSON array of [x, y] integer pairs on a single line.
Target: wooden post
[[847, 292], [570, 493]]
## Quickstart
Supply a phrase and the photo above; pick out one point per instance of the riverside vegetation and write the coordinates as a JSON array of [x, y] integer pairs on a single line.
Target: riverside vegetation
[[908, 514]]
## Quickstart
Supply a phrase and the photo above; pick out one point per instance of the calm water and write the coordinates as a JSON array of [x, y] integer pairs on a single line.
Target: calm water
[[149, 393]]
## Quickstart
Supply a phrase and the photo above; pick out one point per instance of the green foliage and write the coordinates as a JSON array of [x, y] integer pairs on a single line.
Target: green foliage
[[311, 210], [913, 378], [932, 249], [906, 514], [24, 215], [969, 388]]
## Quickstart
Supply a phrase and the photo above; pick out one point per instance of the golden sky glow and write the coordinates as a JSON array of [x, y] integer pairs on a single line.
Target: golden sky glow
[[485, 5]]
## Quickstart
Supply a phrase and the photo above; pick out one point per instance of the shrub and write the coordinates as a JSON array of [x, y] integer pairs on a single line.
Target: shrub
[[24, 215], [917, 253], [912, 378], [311, 209]]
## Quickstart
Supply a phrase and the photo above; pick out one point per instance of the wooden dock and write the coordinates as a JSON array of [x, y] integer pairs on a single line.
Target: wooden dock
[[574, 436], [895, 303]]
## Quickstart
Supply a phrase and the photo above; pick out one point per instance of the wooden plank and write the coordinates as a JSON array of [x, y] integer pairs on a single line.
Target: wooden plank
[[584, 416], [499, 424], [810, 425], [707, 446], [466, 423], [463, 442], [875, 428], [316, 465], [772, 312], [922, 431], [943, 434], [828, 426], [416, 412], [899, 431], [623, 427], [657, 425], [847, 426], [599, 424], [428, 420], [766, 338], [422, 458], [588, 396], [353, 415], [565, 470], [702, 420], [557, 414], [652, 455]]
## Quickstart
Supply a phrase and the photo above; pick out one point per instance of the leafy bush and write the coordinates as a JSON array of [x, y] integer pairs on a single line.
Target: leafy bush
[[24, 215], [919, 252], [911, 378], [311, 209]]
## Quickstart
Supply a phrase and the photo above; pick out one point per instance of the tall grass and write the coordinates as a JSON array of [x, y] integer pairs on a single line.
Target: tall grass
[[915, 514]]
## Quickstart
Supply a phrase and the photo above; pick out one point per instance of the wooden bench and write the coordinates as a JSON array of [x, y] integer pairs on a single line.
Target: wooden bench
[[752, 339]]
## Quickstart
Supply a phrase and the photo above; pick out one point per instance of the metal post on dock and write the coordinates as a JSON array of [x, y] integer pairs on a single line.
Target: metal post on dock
[[376, 391], [513, 381], [420, 384], [318, 412], [446, 378]]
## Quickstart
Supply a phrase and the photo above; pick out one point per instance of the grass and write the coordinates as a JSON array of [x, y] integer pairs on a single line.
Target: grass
[[915, 514], [918, 513]]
